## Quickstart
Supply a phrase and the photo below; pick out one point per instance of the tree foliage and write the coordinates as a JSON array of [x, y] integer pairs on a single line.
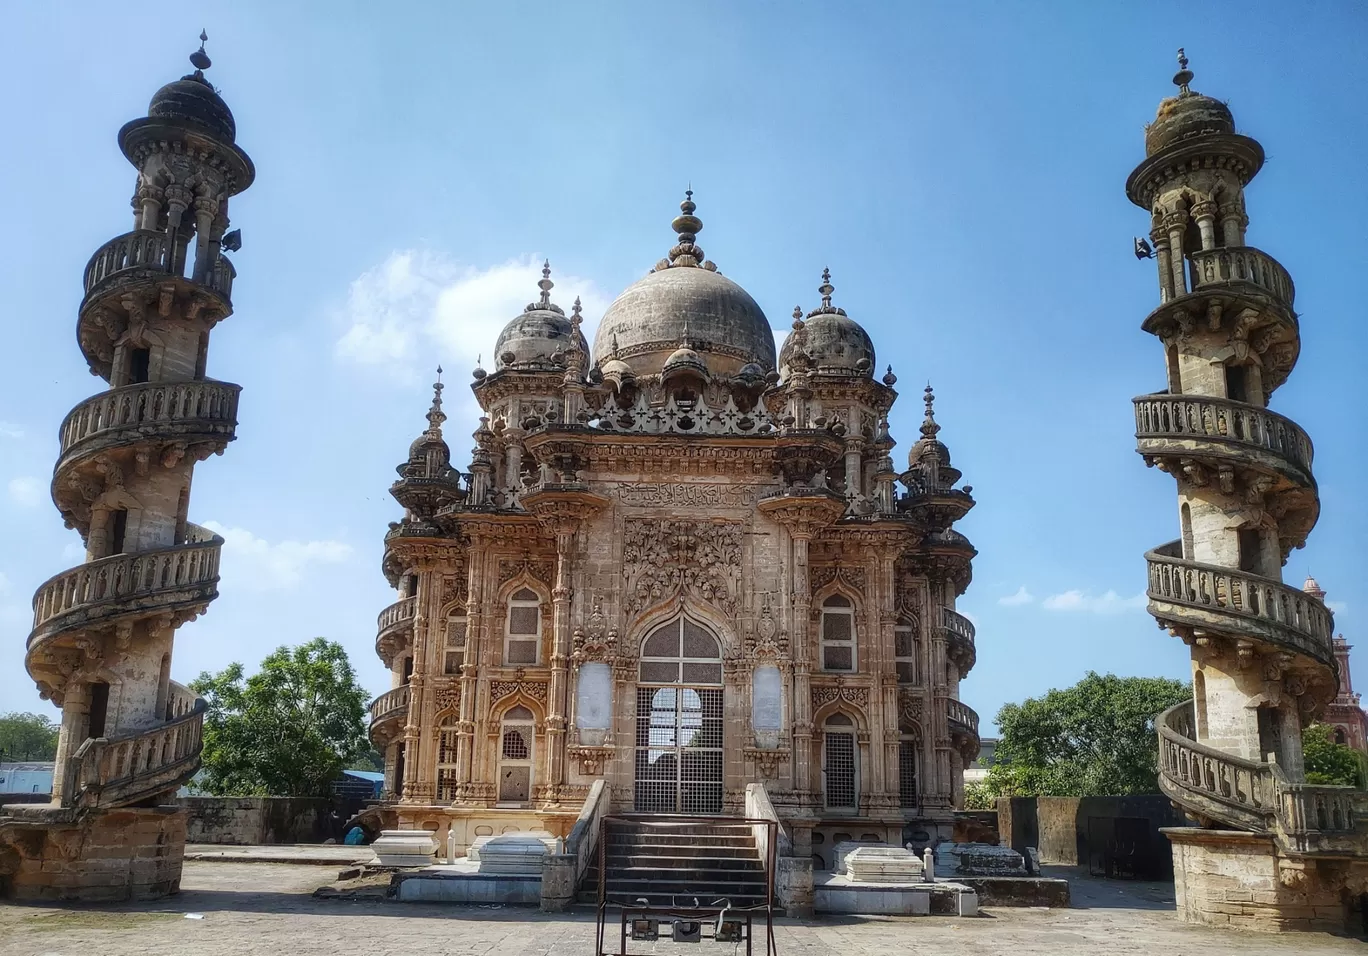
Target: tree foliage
[[1095, 738], [1328, 762], [288, 730], [27, 737]]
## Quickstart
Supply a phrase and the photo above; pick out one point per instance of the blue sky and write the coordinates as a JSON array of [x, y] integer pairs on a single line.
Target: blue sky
[[959, 167]]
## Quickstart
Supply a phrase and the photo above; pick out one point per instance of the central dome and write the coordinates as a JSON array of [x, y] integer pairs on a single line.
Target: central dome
[[685, 306], [685, 303]]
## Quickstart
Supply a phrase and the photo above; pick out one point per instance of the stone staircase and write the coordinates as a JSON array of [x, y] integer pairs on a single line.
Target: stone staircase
[[673, 862]]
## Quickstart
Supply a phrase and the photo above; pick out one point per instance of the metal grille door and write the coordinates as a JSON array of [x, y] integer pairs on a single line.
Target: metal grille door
[[839, 769], [679, 750]]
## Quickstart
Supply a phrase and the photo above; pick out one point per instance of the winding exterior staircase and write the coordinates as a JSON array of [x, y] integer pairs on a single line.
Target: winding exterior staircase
[[1263, 659]]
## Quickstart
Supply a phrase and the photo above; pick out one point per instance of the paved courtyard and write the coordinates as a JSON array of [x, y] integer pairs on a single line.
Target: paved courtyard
[[249, 908]]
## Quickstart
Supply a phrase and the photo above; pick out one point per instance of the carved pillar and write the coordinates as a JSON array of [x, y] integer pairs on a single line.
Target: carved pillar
[[885, 692], [419, 741], [556, 708], [470, 669], [1175, 223], [1205, 214], [1161, 257], [1233, 223], [75, 725], [853, 447], [937, 721], [802, 668]]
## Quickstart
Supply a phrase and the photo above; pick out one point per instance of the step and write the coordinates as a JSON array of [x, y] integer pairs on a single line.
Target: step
[[682, 863], [662, 839], [702, 829], [700, 888]]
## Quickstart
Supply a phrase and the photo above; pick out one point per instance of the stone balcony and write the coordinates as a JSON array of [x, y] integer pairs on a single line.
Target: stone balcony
[[144, 254], [1191, 597], [394, 629], [120, 771], [181, 579], [389, 713], [1219, 432], [190, 413], [1231, 267], [959, 635], [963, 721]]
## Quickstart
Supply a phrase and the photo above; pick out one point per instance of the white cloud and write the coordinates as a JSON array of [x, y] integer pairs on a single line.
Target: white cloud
[[418, 309], [1108, 603], [10, 430], [26, 491], [259, 565], [1022, 596]]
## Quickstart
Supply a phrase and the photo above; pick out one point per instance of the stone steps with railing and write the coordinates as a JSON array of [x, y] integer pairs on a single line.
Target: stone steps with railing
[[1224, 791], [100, 593], [139, 766]]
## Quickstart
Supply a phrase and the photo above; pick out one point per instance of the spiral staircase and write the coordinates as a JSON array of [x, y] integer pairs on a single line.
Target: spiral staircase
[[1263, 658]]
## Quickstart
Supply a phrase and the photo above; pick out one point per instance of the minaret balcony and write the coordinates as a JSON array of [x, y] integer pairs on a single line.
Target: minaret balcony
[[179, 581], [959, 632], [1196, 600], [389, 713], [144, 254], [143, 765], [192, 414], [963, 721], [1222, 433], [1241, 266], [394, 629], [1224, 284]]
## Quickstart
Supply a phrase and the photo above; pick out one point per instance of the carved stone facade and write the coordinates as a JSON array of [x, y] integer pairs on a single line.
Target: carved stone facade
[[685, 564]]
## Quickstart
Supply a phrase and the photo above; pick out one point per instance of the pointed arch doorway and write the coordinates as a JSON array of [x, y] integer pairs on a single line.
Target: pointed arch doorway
[[679, 721]]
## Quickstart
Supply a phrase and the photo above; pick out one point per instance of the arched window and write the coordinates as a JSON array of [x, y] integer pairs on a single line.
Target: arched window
[[839, 781], [517, 736], [1340, 737], [905, 651], [838, 634], [908, 755], [446, 760], [455, 642], [522, 635]]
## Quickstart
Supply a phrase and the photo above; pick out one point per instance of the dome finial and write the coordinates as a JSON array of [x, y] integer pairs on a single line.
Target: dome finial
[[199, 59], [435, 415], [1183, 77], [929, 428], [546, 284], [797, 317], [575, 310], [826, 288], [687, 226]]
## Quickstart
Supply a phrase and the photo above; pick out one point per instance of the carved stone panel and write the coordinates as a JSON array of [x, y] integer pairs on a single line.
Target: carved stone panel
[[664, 558]]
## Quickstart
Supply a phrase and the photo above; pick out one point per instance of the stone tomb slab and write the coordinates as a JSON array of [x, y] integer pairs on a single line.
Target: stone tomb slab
[[883, 864]]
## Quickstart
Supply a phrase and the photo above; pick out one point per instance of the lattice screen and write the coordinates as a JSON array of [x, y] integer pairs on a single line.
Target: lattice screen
[[515, 763], [907, 774], [839, 770], [446, 765], [838, 639]]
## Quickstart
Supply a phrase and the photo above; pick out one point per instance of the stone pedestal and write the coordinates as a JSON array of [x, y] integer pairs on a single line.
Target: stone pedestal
[[842, 850], [558, 882], [54, 854], [1237, 879], [405, 848]]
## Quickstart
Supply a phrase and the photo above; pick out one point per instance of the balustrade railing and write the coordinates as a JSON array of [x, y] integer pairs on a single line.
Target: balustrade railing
[[122, 577], [1246, 786], [686, 418], [1222, 420], [958, 712], [133, 406], [151, 251], [116, 771], [397, 613], [1240, 264], [390, 703], [959, 626], [1286, 614]]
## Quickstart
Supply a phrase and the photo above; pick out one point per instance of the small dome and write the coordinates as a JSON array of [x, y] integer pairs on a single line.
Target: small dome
[[1313, 588], [832, 341], [541, 333], [926, 449], [685, 358], [1186, 115], [617, 369], [191, 100]]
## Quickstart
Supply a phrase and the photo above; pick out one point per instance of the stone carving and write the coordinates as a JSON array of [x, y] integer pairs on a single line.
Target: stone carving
[[852, 577], [586, 647], [910, 705], [454, 588], [591, 760], [540, 570], [826, 694], [665, 558], [693, 494], [448, 699], [767, 762], [499, 689]]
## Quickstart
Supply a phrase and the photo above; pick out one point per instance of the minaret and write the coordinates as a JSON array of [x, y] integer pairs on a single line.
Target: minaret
[[1262, 659], [103, 631]]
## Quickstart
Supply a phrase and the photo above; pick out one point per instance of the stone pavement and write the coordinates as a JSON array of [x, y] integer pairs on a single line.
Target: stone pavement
[[331, 855], [250, 908]]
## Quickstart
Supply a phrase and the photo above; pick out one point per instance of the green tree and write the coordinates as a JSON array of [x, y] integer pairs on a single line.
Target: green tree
[[1097, 737], [27, 737], [1329, 762], [289, 729]]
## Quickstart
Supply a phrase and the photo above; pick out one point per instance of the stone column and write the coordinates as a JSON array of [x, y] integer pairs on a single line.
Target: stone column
[[1233, 223], [75, 726], [1175, 223], [1161, 256], [801, 602], [419, 785], [560, 655], [1205, 214], [470, 668]]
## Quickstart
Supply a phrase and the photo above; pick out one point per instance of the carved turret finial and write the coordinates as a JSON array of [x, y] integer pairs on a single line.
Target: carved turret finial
[[889, 378], [546, 284], [687, 226], [797, 317], [435, 415], [576, 318], [826, 288], [199, 59], [929, 428], [1183, 77]]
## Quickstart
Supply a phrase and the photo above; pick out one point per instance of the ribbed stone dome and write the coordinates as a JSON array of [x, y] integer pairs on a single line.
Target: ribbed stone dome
[[660, 312], [534, 337], [833, 342]]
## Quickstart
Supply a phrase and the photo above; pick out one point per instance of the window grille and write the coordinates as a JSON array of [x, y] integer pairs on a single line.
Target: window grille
[[838, 634], [518, 737], [905, 653], [838, 769], [455, 643], [523, 632], [679, 727], [446, 763], [907, 773]]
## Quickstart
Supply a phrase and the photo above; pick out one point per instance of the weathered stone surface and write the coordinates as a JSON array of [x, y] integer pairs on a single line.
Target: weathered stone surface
[[405, 848], [883, 864]]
